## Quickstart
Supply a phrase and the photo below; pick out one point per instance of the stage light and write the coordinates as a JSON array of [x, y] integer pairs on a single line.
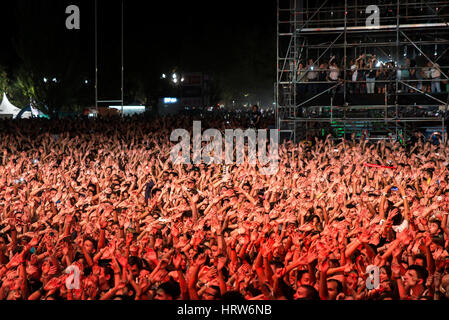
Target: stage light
[[378, 64], [45, 80], [175, 80], [182, 79], [54, 80], [164, 76], [174, 76], [86, 81]]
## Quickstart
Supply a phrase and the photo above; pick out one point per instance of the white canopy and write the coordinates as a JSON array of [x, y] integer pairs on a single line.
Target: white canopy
[[7, 109]]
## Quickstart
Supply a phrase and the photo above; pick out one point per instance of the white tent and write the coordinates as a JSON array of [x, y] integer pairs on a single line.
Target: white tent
[[7, 109]]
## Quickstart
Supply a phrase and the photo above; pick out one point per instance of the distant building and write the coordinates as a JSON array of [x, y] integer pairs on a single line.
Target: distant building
[[195, 90], [169, 105]]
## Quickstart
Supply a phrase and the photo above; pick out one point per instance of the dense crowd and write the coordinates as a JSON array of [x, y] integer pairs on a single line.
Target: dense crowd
[[100, 202]]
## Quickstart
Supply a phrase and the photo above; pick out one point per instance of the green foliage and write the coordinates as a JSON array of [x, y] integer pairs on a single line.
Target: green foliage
[[4, 81], [47, 50]]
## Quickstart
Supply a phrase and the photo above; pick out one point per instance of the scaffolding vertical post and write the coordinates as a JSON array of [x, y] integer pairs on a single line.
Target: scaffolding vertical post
[[276, 111], [332, 110], [345, 53], [96, 57], [405, 133], [294, 63], [123, 70], [398, 70], [386, 103], [294, 131], [443, 131]]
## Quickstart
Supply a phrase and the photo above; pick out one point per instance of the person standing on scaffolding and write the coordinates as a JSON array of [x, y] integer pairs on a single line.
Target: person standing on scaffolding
[[312, 77], [334, 72], [435, 74], [371, 75], [302, 79]]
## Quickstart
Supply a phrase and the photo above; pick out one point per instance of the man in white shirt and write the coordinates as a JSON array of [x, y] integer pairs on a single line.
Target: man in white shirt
[[312, 76], [333, 70], [435, 74], [354, 74], [302, 78]]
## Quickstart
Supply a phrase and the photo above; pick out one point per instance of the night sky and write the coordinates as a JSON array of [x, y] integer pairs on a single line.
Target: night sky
[[234, 41]]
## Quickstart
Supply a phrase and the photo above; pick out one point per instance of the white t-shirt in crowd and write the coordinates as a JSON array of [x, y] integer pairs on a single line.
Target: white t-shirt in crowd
[[435, 71], [401, 227], [354, 72], [333, 74], [312, 75]]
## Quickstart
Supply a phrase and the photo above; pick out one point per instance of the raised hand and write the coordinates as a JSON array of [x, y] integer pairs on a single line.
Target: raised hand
[[177, 259], [280, 272], [129, 239], [34, 242], [103, 223], [397, 251], [122, 260], [221, 263], [201, 259], [324, 266], [174, 232], [396, 270], [195, 198]]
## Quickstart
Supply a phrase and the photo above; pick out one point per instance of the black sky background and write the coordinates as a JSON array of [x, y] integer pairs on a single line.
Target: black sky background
[[234, 41]]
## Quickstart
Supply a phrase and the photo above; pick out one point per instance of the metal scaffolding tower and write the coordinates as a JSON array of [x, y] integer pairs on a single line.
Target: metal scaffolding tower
[[410, 40]]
